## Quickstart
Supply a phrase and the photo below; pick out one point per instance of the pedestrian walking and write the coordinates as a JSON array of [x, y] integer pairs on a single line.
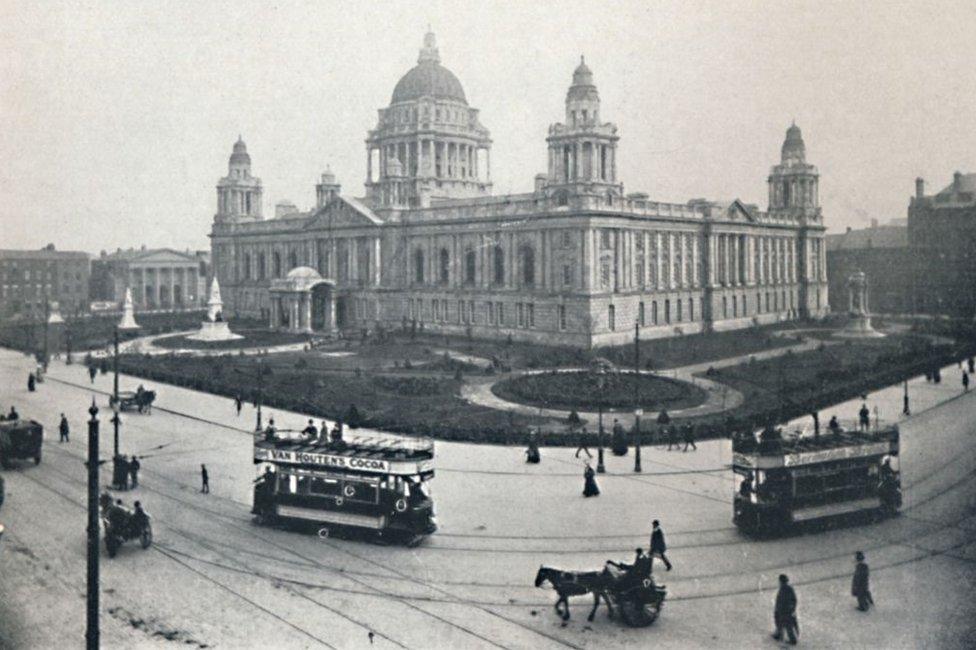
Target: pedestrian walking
[[590, 488], [582, 444], [689, 438], [205, 480], [31, 382], [63, 429], [965, 381], [92, 371], [238, 404], [120, 472], [672, 437], [860, 588], [658, 546], [784, 612], [134, 467], [864, 417]]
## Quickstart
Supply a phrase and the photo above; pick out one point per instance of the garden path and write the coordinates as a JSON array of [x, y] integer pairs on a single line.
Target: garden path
[[719, 397]]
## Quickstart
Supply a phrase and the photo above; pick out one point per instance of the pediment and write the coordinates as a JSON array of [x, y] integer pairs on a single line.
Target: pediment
[[343, 212], [165, 256], [738, 211]]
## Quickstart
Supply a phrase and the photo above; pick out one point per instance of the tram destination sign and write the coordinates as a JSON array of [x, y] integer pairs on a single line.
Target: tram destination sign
[[760, 461], [354, 463]]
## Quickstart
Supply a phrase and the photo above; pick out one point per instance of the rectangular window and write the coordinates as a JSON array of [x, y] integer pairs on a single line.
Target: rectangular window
[[520, 314], [654, 312], [500, 308], [471, 311], [612, 318], [605, 238], [640, 314], [530, 316], [491, 313], [561, 310], [667, 311], [567, 239], [462, 316], [691, 309], [679, 315], [725, 307], [567, 275], [735, 307]]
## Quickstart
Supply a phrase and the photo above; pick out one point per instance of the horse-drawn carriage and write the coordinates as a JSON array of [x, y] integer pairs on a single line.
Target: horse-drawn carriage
[[628, 590], [122, 525], [20, 439], [141, 400]]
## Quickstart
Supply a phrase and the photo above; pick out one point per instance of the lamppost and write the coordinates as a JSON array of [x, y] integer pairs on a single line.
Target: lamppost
[[118, 470], [601, 380], [91, 628], [637, 410]]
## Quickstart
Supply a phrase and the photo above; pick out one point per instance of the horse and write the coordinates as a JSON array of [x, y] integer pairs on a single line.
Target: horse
[[144, 401], [571, 583]]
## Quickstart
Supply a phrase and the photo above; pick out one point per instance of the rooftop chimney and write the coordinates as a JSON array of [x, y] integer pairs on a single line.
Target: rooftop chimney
[[957, 181], [919, 188]]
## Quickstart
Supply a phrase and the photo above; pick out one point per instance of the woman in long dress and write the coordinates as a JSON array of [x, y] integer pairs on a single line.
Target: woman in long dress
[[590, 488]]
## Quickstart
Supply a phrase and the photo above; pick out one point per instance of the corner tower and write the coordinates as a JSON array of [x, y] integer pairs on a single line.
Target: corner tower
[[794, 184], [238, 193], [428, 144], [583, 150]]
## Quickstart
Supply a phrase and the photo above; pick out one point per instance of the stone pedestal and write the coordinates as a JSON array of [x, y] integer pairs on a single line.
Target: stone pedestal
[[214, 331], [128, 321], [859, 324]]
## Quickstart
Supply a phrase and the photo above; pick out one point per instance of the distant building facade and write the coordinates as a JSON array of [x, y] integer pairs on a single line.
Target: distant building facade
[[942, 246], [29, 280], [881, 253], [577, 261], [160, 278]]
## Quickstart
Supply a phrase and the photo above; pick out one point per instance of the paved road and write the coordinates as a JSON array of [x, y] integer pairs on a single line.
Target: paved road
[[215, 579]]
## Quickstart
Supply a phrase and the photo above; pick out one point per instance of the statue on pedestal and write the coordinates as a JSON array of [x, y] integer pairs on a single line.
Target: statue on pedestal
[[859, 323], [128, 321], [215, 328]]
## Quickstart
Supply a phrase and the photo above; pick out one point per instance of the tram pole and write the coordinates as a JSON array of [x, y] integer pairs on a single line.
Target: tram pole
[[91, 629], [115, 392], [637, 409], [600, 467]]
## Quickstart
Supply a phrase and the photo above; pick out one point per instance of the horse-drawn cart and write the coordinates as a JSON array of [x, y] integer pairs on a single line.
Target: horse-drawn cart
[[140, 400]]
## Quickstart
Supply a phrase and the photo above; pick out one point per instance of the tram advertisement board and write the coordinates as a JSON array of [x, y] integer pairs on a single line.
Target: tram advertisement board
[[355, 463]]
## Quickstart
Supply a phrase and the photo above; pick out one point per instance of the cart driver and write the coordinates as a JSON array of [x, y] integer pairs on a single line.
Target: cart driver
[[745, 488], [118, 514], [631, 574], [139, 517]]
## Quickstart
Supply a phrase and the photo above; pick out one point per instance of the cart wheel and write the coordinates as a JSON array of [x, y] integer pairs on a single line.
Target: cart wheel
[[111, 546], [636, 613], [146, 538]]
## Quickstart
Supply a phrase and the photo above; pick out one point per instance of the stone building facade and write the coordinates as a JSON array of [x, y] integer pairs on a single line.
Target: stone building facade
[[881, 253], [942, 247], [576, 261], [32, 279], [160, 278]]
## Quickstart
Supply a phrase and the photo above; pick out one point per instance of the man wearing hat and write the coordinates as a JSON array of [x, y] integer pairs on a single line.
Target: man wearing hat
[[860, 588], [784, 613]]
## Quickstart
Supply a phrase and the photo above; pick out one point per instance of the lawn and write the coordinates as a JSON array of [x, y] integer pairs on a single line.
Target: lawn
[[584, 391]]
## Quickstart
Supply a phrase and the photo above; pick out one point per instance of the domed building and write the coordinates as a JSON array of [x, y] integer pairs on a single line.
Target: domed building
[[576, 261]]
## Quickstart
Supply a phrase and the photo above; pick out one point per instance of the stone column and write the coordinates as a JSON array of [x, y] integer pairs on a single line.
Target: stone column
[[308, 311], [294, 324]]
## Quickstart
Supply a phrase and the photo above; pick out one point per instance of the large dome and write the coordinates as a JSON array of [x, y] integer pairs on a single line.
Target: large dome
[[428, 78]]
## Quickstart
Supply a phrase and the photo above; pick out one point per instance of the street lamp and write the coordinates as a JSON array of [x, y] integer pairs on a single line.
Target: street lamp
[[91, 628], [601, 381], [905, 409], [637, 410]]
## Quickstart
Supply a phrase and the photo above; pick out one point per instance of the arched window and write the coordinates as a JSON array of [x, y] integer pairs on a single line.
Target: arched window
[[418, 266], [444, 267], [527, 264], [470, 265], [262, 267], [499, 264], [292, 260], [247, 266], [276, 264]]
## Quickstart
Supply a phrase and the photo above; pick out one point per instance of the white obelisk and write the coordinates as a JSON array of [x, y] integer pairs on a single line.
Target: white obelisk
[[215, 328]]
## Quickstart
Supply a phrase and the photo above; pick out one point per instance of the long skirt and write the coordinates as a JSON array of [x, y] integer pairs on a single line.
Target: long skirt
[[589, 487]]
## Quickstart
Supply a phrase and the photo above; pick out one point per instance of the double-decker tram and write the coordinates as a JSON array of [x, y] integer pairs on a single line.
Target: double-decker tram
[[376, 485], [787, 481]]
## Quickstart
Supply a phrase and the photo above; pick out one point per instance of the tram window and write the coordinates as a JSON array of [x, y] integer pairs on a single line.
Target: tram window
[[324, 487], [363, 492], [303, 484], [285, 483]]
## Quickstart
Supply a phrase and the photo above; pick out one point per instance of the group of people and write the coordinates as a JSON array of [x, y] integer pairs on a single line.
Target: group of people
[[784, 609], [119, 517], [12, 416], [310, 433], [127, 474]]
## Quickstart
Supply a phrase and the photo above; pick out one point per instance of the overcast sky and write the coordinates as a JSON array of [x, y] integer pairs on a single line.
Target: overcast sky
[[117, 118]]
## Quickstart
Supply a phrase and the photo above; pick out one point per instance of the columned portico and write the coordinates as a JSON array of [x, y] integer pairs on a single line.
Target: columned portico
[[303, 301]]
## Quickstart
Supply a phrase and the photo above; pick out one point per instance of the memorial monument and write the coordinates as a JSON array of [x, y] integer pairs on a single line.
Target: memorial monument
[[215, 328], [859, 321], [128, 321]]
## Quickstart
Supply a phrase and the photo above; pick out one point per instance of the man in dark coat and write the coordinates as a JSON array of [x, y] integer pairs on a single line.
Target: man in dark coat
[[30, 382], [658, 547], [134, 467], [204, 480], [92, 371], [864, 417], [784, 612], [689, 438], [860, 588], [63, 429]]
